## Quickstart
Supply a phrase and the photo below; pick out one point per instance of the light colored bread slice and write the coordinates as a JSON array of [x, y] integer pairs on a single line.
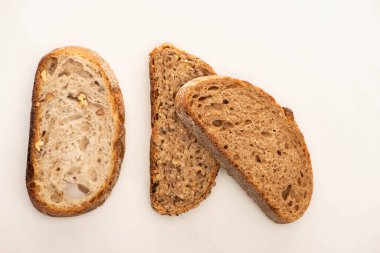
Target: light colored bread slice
[[76, 142], [182, 171], [254, 139]]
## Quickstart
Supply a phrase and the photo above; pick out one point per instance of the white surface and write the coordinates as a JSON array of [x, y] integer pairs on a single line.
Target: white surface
[[320, 58]]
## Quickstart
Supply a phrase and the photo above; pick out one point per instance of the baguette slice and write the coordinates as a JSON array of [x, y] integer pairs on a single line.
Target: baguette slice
[[254, 139], [76, 142], [182, 171]]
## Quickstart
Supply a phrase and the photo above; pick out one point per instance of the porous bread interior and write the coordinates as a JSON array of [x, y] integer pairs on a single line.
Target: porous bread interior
[[182, 170], [76, 131], [253, 133]]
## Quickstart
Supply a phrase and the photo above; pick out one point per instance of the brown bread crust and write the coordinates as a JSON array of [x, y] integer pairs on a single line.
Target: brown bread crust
[[116, 101]]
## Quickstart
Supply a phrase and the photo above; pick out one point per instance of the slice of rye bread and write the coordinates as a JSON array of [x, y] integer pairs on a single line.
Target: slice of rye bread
[[76, 142], [182, 171], [256, 140]]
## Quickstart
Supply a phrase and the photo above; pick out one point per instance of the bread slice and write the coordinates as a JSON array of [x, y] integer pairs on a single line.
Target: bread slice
[[76, 142], [182, 171], [254, 139]]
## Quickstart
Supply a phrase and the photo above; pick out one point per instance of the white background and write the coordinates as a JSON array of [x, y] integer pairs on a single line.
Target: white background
[[320, 58]]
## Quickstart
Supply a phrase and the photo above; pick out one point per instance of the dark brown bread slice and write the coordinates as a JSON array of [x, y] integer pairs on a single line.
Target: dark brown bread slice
[[254, 138], [76, 142], [182, 171]]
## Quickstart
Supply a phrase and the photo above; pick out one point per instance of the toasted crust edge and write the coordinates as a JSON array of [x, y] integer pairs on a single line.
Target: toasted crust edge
[[182, 109], [153, 84], [117, 103]]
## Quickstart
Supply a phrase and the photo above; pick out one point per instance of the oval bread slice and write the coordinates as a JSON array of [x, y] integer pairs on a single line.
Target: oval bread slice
[[254, 139], [76, 143], [182, 171]]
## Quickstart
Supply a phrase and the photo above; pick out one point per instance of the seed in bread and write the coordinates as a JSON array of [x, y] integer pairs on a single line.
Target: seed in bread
[[74, 155], [254, 138]]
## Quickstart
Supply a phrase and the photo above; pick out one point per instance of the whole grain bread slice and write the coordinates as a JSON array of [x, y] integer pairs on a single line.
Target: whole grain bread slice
[[257, 141], [182, 171], [76, 143]]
